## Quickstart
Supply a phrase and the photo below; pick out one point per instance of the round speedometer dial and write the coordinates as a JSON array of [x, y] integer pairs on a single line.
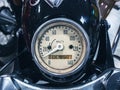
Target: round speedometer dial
[[60, 47]]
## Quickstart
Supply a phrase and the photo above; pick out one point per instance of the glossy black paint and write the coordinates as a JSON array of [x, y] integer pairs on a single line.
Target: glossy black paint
[[84, 12]]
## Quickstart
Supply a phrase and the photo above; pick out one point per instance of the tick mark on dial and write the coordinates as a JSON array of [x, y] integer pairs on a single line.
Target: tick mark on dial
[[74, 60], [79, 47], [77, 54], [71, 31]]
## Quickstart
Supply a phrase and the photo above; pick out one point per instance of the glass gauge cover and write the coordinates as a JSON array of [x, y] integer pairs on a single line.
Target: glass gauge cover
[[60, 47]]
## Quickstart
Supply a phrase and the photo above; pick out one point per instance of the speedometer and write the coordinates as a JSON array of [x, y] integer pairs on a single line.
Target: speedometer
[[60, 47]]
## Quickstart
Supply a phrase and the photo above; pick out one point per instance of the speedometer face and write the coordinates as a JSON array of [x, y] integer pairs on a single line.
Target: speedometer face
[[60, 46]]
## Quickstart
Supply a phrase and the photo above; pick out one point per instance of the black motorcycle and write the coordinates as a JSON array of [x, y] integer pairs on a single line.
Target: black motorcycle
[[55, 44]]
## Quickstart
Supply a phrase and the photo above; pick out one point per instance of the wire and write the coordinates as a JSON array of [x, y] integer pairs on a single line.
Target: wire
[[117, 57]]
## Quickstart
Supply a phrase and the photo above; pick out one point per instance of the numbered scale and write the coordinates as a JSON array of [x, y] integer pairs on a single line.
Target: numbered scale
[[60, 48]]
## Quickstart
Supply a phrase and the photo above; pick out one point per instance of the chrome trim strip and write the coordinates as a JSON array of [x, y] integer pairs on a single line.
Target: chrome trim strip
[[54, 3]]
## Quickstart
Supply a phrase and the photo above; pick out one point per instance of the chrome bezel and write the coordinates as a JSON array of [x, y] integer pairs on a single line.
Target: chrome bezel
[[40, 31]]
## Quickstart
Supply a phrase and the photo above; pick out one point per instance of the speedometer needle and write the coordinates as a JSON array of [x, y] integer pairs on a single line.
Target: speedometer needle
[[58, 47]]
